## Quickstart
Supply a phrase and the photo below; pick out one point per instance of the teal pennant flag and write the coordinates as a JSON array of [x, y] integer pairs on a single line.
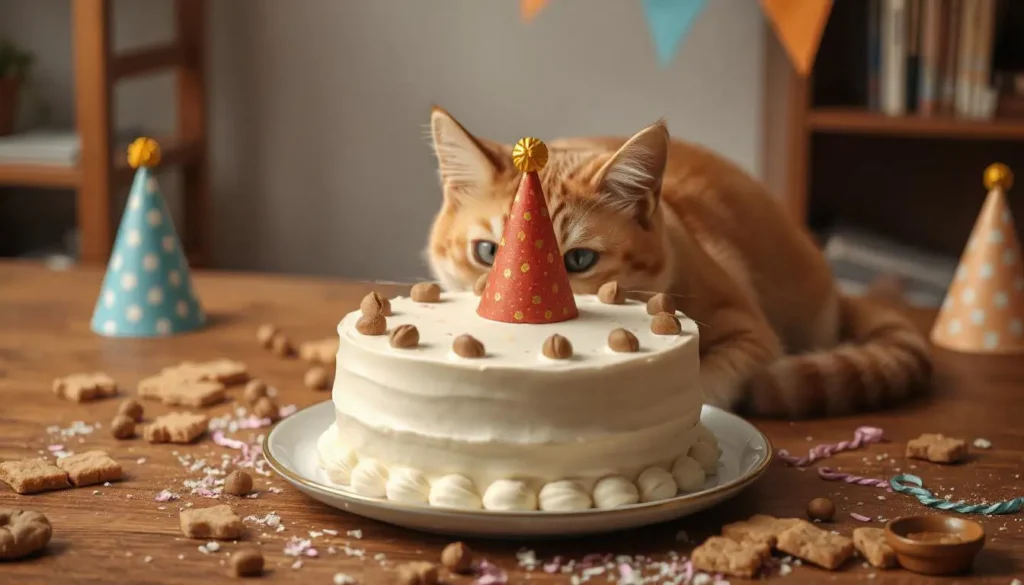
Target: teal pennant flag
[[669, 21]]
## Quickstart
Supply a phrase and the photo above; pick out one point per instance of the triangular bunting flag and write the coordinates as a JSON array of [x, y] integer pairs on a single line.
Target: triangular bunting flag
[[984, 307], [799, 25], [669, 21], [147, 290], [529, 9], [528, 282]]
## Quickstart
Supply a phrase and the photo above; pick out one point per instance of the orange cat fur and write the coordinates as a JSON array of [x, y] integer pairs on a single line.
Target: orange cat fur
[[776, 337]]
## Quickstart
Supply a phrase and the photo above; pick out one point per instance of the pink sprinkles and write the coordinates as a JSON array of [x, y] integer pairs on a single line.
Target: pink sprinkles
[[860, 517]]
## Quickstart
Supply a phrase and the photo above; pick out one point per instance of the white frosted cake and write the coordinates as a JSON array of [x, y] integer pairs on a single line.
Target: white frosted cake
[[515, 430], [521, 396]]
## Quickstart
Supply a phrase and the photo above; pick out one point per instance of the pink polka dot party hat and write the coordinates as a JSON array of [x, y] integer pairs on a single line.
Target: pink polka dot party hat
[[984, 307], [147, 291]]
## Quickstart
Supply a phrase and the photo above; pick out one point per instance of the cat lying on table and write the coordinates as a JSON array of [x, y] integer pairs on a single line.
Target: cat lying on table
[[658, 215]]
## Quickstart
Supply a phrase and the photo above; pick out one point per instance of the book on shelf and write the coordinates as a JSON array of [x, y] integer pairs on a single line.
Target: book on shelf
[[933, 57]]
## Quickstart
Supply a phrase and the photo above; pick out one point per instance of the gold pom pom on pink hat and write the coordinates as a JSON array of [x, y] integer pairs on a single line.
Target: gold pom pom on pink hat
[[528, 282]]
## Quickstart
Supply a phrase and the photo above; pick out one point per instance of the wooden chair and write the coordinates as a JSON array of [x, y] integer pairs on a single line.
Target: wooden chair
[[101, 169]]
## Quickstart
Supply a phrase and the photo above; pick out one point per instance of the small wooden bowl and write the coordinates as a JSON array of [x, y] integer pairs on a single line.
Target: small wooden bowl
[[931, 556]]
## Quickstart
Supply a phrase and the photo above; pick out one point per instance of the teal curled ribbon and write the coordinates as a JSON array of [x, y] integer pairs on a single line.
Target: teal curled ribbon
[[912, 485]]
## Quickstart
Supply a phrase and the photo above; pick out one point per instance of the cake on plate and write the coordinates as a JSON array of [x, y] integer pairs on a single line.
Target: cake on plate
[[522, 396]]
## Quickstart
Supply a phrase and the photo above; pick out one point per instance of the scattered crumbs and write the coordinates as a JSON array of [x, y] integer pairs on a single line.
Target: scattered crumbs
[[140, 460], [148, 559], [808, 438], [129, 496], [161, 507], [314, 534], [785, 570], [380, 557], [881, 497], [213, 546], [128, 553], [912, 466], [331, 550], [896, 469], [275, 490], [343, 579], [356, 534], [95, 492], [798, 562], [297, 564], [702, 579], [873, 575], [299, 546], [527, 558], [181, 557], [106, 484], [330, 532], [202, 548], [982, 443], [1002, 528]]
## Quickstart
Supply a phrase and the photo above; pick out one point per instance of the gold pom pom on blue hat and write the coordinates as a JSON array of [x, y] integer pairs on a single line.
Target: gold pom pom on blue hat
[[147, 290]]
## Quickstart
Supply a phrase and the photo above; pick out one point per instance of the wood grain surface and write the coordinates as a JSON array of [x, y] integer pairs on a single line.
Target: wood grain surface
[[119, 534]]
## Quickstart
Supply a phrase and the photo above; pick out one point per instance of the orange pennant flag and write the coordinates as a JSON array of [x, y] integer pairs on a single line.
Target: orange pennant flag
[[529, 9], [799, 25]]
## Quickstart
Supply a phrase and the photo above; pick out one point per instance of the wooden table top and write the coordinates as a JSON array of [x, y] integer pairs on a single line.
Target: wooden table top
[[120, 534]]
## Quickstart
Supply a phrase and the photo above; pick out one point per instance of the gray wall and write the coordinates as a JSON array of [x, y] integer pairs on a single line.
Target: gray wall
[[319, 107]]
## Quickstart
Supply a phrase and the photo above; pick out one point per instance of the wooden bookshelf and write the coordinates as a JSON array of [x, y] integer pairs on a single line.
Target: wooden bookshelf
[[101, 168], [851, 120], [911, 178]]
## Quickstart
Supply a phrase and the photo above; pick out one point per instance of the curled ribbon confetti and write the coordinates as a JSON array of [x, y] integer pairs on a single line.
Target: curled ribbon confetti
[[862, 436], [916, 489], [827, 473]]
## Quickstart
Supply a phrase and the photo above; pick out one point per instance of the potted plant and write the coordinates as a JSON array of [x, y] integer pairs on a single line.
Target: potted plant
[[14, 68]]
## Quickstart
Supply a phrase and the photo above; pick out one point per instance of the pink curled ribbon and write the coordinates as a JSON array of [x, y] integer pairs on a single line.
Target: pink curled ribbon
[[862, 436], [829, 474]]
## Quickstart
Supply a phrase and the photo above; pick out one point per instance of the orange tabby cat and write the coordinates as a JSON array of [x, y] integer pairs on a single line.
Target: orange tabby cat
[[658, 215]]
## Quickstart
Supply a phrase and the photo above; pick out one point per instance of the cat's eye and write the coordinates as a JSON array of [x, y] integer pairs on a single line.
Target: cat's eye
[[484, 251], [580, 259]]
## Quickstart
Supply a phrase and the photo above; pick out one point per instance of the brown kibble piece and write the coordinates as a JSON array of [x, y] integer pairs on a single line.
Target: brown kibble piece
[[22, 532], [611, 293], [937, 448], [282, 346], [457, 558], [405, 337], [666, 324], [254, 390], [320, 351], [622, 341], [265, 334], [375, 304], [176, 427], [122, 427], [219, 522], [557, 347], [661, 303], [759, 528], [871, 544], [418, 573], [480, 284], [317, 378], [90, 468], [372, 325], [194, 394], [812, 544], [821, 509], [247, 562], [723, 555], [468, 346], [132, 409], [425, 292], [265, 407], [30, 476], [238, 483], [85, 387]]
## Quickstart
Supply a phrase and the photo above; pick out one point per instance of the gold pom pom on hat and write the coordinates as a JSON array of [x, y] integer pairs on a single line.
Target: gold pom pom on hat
[[998, 176], [143, 152], [529, 155]]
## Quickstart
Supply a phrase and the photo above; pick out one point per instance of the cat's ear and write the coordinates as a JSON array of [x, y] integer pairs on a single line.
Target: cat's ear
[[466, 164], [631, 179]]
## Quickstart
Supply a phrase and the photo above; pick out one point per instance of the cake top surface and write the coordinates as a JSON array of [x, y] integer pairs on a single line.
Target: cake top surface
[[517, 346]]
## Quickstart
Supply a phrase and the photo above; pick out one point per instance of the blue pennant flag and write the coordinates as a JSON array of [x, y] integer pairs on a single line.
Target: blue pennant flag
[[669, 21], [147, 291]]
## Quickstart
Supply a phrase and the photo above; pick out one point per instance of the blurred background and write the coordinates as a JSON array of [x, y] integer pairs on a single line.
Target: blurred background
[[296, 131]]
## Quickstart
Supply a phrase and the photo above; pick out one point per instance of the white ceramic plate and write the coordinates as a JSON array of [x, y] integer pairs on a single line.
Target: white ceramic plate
[[290, 448]]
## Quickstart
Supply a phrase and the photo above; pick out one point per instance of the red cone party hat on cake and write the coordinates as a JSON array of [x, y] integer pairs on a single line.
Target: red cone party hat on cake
[[528, 282], [984, 307]]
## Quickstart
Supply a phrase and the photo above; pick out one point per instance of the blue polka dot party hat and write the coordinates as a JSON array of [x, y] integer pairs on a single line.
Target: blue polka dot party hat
[[147, 291]]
